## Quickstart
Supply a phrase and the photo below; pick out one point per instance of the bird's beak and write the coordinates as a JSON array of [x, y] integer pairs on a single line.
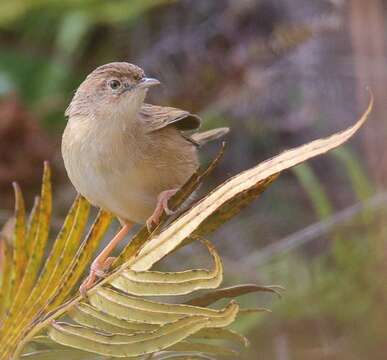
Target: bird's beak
[[147, 82]]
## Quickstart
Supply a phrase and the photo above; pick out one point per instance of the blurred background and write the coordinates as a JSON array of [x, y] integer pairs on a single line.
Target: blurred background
[[277, 72]]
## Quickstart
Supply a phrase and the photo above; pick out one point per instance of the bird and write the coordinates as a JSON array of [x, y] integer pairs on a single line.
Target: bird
[[126, 156]]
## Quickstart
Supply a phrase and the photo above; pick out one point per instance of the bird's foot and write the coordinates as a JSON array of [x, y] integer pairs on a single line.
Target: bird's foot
[[97, 270], [161, 206]]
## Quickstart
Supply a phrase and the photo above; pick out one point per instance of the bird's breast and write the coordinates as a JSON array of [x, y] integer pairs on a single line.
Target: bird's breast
[[123, 173]]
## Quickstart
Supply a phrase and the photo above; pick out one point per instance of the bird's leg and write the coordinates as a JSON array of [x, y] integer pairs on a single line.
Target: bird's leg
[[103, 261], [162, 205]]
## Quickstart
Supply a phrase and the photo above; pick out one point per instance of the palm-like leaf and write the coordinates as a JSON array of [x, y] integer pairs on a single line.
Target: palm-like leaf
[[41, 319]]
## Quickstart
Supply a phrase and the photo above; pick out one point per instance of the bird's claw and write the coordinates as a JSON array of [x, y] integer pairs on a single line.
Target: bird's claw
[[161, 206], [152, 222], [87, 283], [97, 270]]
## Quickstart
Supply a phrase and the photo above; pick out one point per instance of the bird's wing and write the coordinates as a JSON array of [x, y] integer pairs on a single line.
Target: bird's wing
[[158, 117]]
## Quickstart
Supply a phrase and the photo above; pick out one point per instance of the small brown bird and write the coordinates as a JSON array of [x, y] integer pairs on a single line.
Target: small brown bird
[[124, 155]]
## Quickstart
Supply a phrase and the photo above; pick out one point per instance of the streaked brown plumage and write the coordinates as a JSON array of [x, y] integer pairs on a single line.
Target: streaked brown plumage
[[121, 153]]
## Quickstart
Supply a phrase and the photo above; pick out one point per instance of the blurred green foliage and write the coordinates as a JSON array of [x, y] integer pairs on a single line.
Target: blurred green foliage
[[43, 41], [95, 11], [314, 189]]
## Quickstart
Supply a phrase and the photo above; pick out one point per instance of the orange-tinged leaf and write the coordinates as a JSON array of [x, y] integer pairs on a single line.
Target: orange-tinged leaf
[[32, 225], [189, 222], [38, 233], [82, 258], [55, 267], [68, 243], [54, 258], [19, 254], [6, 271], [39, 242]]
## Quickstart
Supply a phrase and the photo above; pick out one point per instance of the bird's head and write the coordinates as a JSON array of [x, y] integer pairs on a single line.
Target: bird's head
[[116, 89]]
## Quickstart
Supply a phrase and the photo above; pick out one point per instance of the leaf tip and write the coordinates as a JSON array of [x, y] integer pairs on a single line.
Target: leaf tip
[[46, 169], [19, 200]]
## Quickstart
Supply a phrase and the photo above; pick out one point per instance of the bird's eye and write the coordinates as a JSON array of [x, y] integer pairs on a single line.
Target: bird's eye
[[114, 84]]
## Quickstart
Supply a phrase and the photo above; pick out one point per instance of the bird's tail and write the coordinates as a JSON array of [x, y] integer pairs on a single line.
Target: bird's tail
[[204, 137]]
